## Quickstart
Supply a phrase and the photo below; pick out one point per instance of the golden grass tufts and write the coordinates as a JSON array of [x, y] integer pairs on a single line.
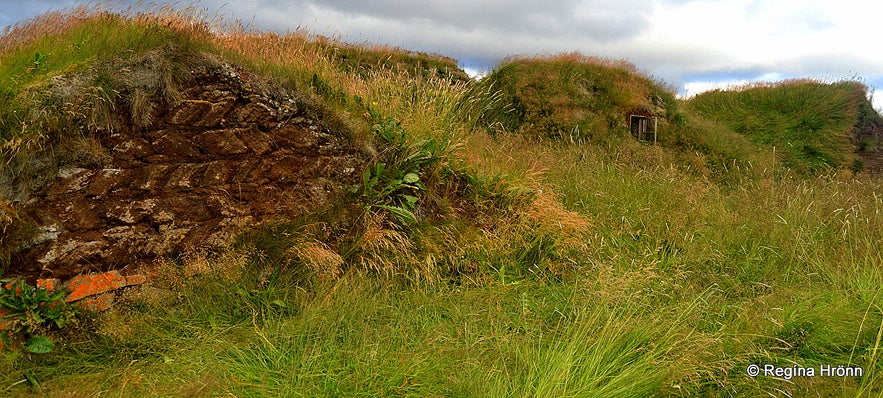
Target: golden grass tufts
[[382, 249], [548, 213], [115, 325], [188, 20], [228, 265], [780, 83], [14, 230], [514, 157], [48, 24], [8, 216], [575, 58], [321, 259]]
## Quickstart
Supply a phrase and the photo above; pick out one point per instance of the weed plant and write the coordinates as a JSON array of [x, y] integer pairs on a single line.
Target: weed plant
[[29, 313]]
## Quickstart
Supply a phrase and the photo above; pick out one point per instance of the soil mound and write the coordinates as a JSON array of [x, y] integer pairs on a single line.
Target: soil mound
[[569, 96], [184, 172]]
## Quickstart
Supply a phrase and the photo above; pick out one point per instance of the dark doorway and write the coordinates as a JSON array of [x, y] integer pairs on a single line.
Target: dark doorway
[[643, 127]]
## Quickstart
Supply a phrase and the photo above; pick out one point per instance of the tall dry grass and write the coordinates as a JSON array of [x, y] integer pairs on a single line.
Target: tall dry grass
[[615, 270]]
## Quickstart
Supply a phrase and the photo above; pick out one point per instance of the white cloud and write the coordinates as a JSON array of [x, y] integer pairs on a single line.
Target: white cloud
[[680, 41], [475, 73], [794, 36]]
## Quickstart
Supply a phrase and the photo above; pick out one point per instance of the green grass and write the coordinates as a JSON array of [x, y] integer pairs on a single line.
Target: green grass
[[60, 90], [568, 96], [359, 336], [84, 43], [544, 268], [810, 123], [365, 59]]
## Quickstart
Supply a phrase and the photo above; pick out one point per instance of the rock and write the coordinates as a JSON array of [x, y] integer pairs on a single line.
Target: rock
[[132, 212], [95, 292], [78, 215], [132, 280], [257, 113], [257, 141], [298, 138], [50, 284], [287, 168], [217, 114], [176, 146], [135, 148], [153, 176], [218, 173], [189, 112], [90, 285], [107, 180], [70, 252], [186, 176], [220, 142], [4, 324], [98, 303], [71, 179], [46, 233], [223, 158]]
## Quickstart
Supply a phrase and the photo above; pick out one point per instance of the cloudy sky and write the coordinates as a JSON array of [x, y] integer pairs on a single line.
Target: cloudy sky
[[692, 44]]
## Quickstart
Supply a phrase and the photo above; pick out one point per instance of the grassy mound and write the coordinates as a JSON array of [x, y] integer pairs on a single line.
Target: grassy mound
[[47, 116], [543, 269], [364, 59], [568, 96], [810, 123]]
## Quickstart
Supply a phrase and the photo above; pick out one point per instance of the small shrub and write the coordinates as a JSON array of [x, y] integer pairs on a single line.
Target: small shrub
[[31, 311], [395, 184]]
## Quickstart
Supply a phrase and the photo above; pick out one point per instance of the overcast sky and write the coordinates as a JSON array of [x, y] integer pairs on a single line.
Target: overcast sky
[[692, 44]]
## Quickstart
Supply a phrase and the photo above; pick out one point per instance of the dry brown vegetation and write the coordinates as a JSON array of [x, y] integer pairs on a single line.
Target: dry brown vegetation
[[537, 267]]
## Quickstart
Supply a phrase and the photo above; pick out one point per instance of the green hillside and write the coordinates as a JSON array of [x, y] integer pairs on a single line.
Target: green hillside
[[567, 96], [445, 236], [810, 123]]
